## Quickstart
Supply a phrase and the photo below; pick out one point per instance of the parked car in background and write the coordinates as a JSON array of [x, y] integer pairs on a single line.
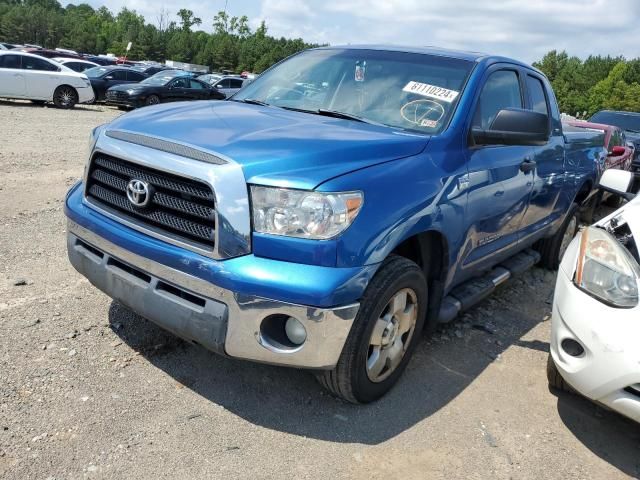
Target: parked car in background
[[594, 325], [30, 77], [224, 83], [75, 65], [171, 86], [150, 70], [8, 46], [617, 153], [343, 201], [47, 53], [103, 78], [100, 59], [629, 122]]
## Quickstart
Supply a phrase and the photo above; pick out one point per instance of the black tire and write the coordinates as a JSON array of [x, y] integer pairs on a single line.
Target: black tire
[[551, 249], [556, 382], [152, 100], [613, 201], [38, 102], [349, 380], [65, 97]]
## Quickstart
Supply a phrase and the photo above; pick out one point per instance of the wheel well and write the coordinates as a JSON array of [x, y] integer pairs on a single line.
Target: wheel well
[[431, 252], [583, 193], [66, 85]]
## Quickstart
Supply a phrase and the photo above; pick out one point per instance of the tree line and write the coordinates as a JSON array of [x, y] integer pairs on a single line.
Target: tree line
[[232, 44], [585, 86], [582, 86]]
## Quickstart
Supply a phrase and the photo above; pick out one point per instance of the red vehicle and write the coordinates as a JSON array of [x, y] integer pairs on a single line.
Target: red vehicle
[[619, 153]]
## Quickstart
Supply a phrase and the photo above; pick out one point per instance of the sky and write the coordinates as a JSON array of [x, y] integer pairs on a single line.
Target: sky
[[525, 29]]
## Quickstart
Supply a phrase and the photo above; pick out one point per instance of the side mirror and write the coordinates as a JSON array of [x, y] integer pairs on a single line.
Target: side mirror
[[218, 86], [109, 77], [618, 182], [514, 126], [617, 151]]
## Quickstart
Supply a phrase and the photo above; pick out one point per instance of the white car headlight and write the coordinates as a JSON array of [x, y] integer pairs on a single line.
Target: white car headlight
[[606, 270], [303, 214]]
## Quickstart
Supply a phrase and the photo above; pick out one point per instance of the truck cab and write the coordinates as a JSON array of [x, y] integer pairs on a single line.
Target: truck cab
[[347, 200]]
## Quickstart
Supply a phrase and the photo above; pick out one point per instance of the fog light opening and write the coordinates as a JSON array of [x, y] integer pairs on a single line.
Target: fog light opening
[[296, 333], [571, 347], [282, 332]]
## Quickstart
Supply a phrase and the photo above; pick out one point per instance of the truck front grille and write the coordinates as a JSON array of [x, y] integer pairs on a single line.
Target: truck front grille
[[181, 208]]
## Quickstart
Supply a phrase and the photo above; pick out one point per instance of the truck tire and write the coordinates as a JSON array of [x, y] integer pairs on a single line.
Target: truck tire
[[552, 249], [613, 201], [556, 382], [384, 334]]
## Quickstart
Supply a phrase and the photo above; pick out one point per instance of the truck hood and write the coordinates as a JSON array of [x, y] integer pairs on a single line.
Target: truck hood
[[274, 146]]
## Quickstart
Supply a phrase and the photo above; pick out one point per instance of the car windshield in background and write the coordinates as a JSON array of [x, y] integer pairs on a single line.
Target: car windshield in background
[[621, 120], [95, 72], [159, 79], [404, 90]]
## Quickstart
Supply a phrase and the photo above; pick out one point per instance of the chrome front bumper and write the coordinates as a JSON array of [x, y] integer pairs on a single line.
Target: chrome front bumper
[[201, 312]]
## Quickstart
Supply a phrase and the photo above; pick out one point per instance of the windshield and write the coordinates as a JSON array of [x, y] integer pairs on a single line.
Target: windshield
[[618, 119], [158, 79], [404, 90], [95, 72]]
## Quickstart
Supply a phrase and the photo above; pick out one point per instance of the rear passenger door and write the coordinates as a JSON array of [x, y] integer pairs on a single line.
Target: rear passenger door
[[12, 83], [41, 77], [498, 187], [134, 77], [549, 178]]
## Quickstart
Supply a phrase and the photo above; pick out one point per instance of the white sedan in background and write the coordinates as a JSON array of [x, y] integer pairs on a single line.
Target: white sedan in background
[[30, 77], [595, 326], [74, 64]]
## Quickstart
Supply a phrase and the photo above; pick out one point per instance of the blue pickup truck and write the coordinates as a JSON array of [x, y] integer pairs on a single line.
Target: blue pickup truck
[[347, 200]]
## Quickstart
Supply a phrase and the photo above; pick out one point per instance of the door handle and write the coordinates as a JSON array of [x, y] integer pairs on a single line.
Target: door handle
[[527, 165]]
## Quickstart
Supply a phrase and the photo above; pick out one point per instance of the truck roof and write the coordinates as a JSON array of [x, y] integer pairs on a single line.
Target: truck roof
[[443, 52]]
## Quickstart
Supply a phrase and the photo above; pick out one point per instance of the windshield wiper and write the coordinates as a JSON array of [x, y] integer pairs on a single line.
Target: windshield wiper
[[345, 115], [251, 101]]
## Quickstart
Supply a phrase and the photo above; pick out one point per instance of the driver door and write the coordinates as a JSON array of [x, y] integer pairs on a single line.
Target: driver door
[[178, 89], [499, 181]]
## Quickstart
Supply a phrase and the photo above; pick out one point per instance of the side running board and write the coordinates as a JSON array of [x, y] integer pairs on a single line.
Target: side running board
[[464, 296]]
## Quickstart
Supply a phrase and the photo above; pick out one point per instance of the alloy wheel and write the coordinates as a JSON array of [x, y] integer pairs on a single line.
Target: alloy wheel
[[391, 335]]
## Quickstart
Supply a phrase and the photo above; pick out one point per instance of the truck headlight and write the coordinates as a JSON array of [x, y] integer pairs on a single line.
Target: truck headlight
[[303, 214], [606, 270]]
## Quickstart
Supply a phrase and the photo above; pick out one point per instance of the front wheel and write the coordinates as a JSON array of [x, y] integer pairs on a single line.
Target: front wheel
[[384, 334], [152, 100], [65, 97]]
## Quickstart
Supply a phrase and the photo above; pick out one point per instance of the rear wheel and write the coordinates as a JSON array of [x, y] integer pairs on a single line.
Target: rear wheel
[[613, 201], [152, 100], [65, 97], [384, 334], [552, 249]]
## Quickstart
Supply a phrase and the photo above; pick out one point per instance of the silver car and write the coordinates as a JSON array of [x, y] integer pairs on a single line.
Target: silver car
[[227, 84]]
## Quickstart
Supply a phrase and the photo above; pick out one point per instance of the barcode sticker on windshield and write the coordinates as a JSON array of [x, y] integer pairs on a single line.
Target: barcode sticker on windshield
[[432, 91]]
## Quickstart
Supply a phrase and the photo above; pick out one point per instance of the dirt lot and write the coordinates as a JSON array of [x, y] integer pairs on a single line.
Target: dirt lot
[[89, 390]]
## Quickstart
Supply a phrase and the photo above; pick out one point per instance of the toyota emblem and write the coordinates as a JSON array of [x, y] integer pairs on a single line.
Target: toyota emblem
[[138, 193]]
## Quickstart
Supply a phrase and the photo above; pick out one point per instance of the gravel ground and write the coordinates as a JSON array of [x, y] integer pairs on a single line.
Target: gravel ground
[[89, 390]]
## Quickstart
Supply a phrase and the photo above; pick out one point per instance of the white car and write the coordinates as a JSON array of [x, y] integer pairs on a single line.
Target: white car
[[595, 326], [75, 64], [30, 77]]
